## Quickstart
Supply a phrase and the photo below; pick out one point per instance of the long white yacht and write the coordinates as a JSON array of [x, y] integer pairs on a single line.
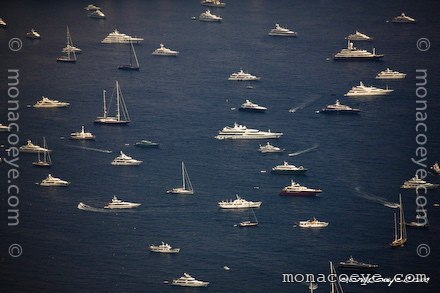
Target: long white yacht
[[31, 148], [53, 181], [209, 17], [4, 128], [242, 132], [49, 103], [124, 160], [213, 3], [163, 248], [82, 135], [187, 281], [2, 23], [248, 106], [33, 34], [119, 204], [243, 76], [417, 182], [338, 108], [352, 53], [116, 37], [282, 31], [402, 18], [92, 7], [268, 148], [358, 36], [286, 168], [162, 51], [390, 74], [295, 189], [362, 90], [98, 14], [238, 203], [314, 223]]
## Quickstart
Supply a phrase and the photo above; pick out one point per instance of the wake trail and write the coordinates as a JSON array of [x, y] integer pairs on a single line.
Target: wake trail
[[375, 198], [90, 149], [314, 147]]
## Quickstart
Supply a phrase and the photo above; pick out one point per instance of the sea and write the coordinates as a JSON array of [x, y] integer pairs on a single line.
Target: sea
[[182, 102]]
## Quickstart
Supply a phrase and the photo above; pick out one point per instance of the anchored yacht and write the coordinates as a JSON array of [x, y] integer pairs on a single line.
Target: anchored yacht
[[187, 281], [243, 76], [92, 7], [48, 103], [53, 181], [251, 107], [121, 116], [282, 31], [146, 144], [314, 223], [82, 135], [2, 23], [98, 14], [416, 182], [351, 263], [209, 17], [242, 132], [187, 187], [162, 51], [358, 36], [362, 90], [163, 248], [296, 189], [390, 74], [338, 108], [4, 128], [33, 35], [352, 53], [285, 168], [402, 18], [124, 160], [116, 37], [119, 204], [213, 3], [268, 148], [238, 203], [31, 148]]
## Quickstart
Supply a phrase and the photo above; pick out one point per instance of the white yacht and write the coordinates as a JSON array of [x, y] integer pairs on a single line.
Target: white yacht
[[116, 37], [268, 148], [243, 76], [416, 182], [402, 18], [314, 223], [213, 3], [92, 7], [164, 248], [82, 135], [282, 31], [187, 187], [119, 204], [351, 52], [48, 103], [71, 49], [187, 281], [436, 168], [362, 90], [358, 36], [98, 14], [209, 17], [339, 108], [31, 148], [121, 116], [53, 181], [4, 128], [242, 132], [390, 74], [238, 203], [124, 160], [286, 168], [251, 107], [295, 189], [162, 51], [33, 34], [2, 23]]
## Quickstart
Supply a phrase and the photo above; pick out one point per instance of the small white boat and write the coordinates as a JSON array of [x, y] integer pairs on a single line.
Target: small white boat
[[314, 223], [248, 106], [119, 204], [163, 248], [82, 135], [31, 148], [209, 17], [4, 128], [187, 187], [268, 148], [187, 281], [239, 203], [282, 32], [49, 103], [402, 18], [98, 14], [162, 51], [243, 76], [358, 36], [53, 181], [124, 160], [33, 35], [390, 74], [251, 222], [92, 7]]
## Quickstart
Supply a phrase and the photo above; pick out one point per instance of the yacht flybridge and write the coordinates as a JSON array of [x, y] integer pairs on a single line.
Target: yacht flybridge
[[124, 160], [239, 203], [163, 51], [121, 117], [362, 90], [116, 37], [119, 204], [358, 36], [282, 32], [187, 187], [352, 53], [243, 76], [402, 18], [49, 103], [53, 181], [390, 74], [82, 135], [164, 248], [209, 17], [187, 281], [338, 108], [242, 132]]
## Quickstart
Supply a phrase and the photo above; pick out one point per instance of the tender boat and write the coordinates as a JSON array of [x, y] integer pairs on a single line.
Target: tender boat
[[134, 63], [163, 248], [92, 7], [351, 263], [187, 187], [314, 223], [242, 132], [2, 23], [4, 128], [338, 108], [162, 51], [362, 90], [416, 182], [31, 148], [435, 167], [119, 204], [116, 37], [295, 189], [48, 103], [282, 32], [390, 74], [187, 281], [268, 148], [243, 76], [124, 160], [251, 107], [98, 14], [33, 35], [44, 160], [82, 135], [239, 203], [213, 3], [70, 50], [146, 144], [209, 17], [352, 53], [358, 36], [400, 236], [250, 222], [285, 168], [402, 18], [122, 117], [53, 181]]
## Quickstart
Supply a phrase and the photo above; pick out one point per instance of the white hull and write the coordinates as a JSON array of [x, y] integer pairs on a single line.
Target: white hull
[[249, 136], [244, 206], [137, 163], [180, 191], [125, 206], [376, 93]]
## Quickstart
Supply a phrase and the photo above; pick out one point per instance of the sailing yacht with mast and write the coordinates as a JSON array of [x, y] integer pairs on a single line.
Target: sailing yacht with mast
[[400, 236], [70, 47], [249, 223], [335, 286], [44, 160], [121, 117], [187, 187], [133, 57], [70, 52]]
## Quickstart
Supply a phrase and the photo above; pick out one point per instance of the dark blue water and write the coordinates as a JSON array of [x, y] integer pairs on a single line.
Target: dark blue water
[[182, 102]]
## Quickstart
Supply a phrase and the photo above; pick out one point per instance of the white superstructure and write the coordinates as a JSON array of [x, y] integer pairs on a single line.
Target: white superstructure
[[48, 103], [82, 135], [162, 51], [363, 90], [119, 204], [53, 181], [187, 281], [242, 132], [116, 37], [238, 203], [124, 160], [282, 32], [209, 17], [314, 223], [243, 76], [390, 74], [163, 248], [417, 182]]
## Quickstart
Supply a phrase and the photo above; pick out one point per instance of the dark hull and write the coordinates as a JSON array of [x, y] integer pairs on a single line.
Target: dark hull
[[128, 68], [112, 122], [357, 267], [377, 57], [301, 194], [282, 172], [66, 60], [41, 164], [251, 110], [146, 145], [327, 111]]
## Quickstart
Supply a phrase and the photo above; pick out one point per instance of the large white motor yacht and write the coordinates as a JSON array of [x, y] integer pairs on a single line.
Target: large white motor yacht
[[53, 181], [417, 182], [390, 74], [98, 14], [248, 106], [29, 147], [119, 204], [243, 76], [286, 168], [4, 128], [314, 223], [187, 281], [268, 148], [402, 18], [358, 36], [242, 132], [82, 135], [124, 160], [163, 248], [116, 37], [238, 203], [282, 32], [339, 108], [295, 189], [351, 52], [213, 3], [48, 103], [209, 17], [362, 90], [33, 34], [162, 51]]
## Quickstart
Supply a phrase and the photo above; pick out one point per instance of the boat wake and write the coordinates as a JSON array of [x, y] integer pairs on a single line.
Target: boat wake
[[375, 198], [88, 208], [304, 104], [314, 147], [90, 149]]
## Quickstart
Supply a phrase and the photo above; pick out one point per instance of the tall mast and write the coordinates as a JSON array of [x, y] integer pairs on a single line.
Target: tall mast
[[395, 227], [118, 114], [183, 175], [129, 48], [332, 284], [104, 106]]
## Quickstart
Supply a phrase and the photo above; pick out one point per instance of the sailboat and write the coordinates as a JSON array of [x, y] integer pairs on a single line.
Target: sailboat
[[131, 66], [312, 287], [186, 184], [44, 160], [250, 223], [70, 52], [121, 117], [400, 237], [335, 286]]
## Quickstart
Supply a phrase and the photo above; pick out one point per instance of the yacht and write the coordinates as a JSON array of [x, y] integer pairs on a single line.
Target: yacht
[[400, 236], [242, 132], [416, 182], [82, 135], [243, 76], [4, 128], [92, 7], [44, 159], [187, 187], [296, 189], [98, 14], [362, 90], [48, 103], [162, 51], [282, 31], [435, 167], [352, 53], [116, 37], [351, 263], [33, 34], [314, 223], [70, 50], [2, 23], [338, 108], [53, 181], [121, 116], [31, 148], [164, 248], [119, 204], [402, 18], [213, 3], [134, 63], [285, 168], [268, 148], [390, 74], [251, 107], [146, 144], [209, 17], [187, 281], [238, 203], [124, 160], [358, 36]]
